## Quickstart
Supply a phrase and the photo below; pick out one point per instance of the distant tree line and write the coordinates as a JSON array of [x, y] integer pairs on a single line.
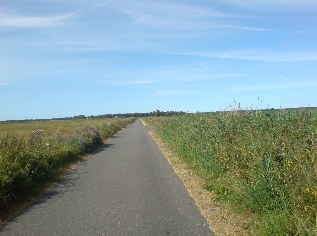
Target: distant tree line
[[142, 114], [116, 115], [155, 113]]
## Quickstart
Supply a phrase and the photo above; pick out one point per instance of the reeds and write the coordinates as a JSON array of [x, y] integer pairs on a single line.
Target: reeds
[[261, 162]]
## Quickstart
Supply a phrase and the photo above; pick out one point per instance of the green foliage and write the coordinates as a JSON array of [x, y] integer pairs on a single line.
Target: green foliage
[[26, 161], [263, 161], [275, 223]]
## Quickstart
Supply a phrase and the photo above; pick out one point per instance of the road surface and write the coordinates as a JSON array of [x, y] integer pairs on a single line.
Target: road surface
[[127, 188]]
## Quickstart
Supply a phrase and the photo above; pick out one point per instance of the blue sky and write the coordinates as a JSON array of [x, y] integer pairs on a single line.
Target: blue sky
[[68, 57]]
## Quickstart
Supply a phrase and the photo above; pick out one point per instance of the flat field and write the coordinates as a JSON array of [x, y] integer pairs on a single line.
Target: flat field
[[24, 128]]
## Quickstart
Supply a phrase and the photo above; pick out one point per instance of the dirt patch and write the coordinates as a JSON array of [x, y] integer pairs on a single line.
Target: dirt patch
[[221, 220]]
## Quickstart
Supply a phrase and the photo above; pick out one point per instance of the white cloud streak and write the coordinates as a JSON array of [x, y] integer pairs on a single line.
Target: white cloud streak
[[162, 22], [166, 9], [180, 17], [19, 21], [154, 78], [243, 27], [255, 55], [172, 92], [4, 84], [177, 16], [274, 86], [131, 82], [275, 5]]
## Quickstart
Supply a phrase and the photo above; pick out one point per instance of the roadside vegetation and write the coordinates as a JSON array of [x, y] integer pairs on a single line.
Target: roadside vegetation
[[35, 152], [262, 163]]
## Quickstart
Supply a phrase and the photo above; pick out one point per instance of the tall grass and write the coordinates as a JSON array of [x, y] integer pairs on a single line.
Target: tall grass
[[33, 158], [262, 162]]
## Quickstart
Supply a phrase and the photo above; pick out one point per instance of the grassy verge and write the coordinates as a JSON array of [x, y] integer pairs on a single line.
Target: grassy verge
[[263, 163], [30, 160]]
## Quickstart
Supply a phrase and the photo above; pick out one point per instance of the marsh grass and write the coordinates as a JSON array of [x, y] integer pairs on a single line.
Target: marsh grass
[[261, 162], [36, 152]]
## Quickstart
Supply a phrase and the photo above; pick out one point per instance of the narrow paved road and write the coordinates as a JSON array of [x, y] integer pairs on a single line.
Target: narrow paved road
[[128, 188]]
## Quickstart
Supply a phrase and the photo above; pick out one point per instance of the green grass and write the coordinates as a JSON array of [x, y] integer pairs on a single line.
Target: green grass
[[50, 126], [33, 153], [260, 162]]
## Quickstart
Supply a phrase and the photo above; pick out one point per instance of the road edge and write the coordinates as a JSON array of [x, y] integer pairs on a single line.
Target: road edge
[[19, 207], [221, 221]]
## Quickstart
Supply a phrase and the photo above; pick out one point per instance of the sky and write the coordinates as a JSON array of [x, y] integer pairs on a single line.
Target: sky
[[62, 58]]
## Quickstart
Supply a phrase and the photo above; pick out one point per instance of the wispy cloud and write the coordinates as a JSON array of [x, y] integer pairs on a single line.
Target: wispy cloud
[[166, 9], [162, 22], [20, 21], [274, 5], [133, 82], [243, 27], [4, 84], [141, 82], [274, 86], [187, 74], [35, 69], [177, 16], [172, 92], [255, 55]]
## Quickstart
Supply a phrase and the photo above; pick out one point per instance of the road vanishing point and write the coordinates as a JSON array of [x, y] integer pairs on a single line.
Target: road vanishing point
[[126, 188]]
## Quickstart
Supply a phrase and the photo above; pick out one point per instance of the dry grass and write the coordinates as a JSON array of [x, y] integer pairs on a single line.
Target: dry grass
[[49, 126]]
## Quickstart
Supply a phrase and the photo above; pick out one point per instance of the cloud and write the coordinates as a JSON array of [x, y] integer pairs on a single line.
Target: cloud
[[133, 82], [276, 5], [166, 9], [169, 15], [243, 27], [183, 74], [254, 55], [41, 69], [4, 84], [172, 92], [141, 82], [19, 21], [177, 16], [274, 86], [162, 22]]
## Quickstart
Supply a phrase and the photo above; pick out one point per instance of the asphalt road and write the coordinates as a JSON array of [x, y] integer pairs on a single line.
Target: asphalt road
[[127, 188]]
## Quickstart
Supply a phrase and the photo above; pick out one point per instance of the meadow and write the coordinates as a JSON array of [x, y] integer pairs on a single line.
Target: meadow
[[260, 163], [32, 153]]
